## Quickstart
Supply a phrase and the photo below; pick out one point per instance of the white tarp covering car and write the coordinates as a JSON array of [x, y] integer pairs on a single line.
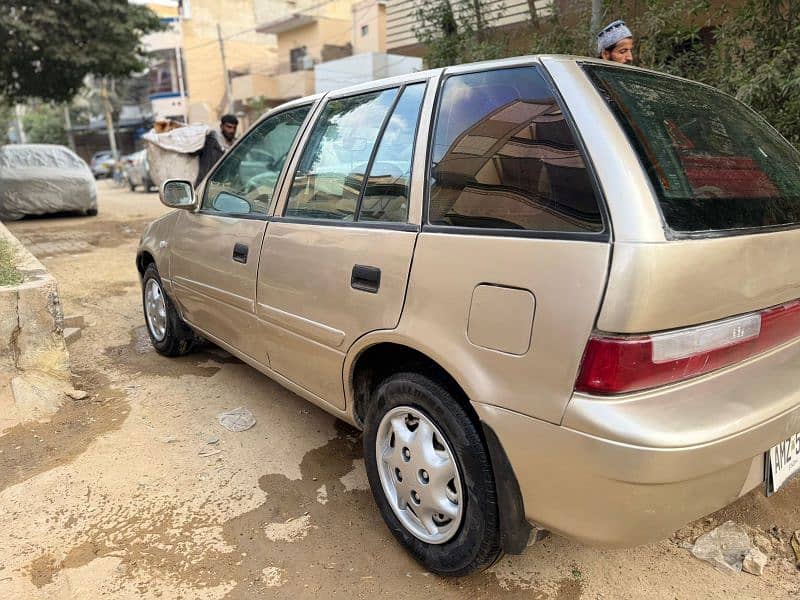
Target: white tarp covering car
[[37, 179]]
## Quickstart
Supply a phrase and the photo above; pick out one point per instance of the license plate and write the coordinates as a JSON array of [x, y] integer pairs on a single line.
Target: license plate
[[784, 461]]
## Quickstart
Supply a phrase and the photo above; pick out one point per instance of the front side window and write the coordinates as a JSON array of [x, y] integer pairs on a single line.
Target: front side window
[[715, 165], [244, 183], [504, 158]]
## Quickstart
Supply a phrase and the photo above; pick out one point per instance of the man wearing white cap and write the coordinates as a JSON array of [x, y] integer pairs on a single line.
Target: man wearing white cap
[[615, 42]]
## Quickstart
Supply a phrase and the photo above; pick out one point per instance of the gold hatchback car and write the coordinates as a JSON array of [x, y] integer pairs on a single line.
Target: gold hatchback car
[[550, 291]]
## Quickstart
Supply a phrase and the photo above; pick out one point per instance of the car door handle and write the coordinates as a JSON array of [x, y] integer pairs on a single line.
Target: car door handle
[[240, 253], [366, 278]]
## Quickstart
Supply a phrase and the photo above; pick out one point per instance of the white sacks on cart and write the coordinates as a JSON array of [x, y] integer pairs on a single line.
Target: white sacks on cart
[[172, 154]]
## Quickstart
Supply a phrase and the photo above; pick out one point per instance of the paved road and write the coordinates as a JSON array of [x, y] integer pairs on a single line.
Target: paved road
[[137, 492]]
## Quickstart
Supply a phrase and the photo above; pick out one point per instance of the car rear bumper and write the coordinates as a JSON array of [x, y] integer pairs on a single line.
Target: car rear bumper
[[637, 471]]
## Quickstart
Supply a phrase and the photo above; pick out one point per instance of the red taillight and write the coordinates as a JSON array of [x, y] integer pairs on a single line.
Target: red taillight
[[617, 364]]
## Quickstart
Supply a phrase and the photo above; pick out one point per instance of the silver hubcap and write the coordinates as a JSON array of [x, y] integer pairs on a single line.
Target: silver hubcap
[[419, 475], [155, 309]]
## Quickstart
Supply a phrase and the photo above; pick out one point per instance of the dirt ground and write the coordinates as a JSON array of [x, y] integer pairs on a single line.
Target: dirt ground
[[137, 492]]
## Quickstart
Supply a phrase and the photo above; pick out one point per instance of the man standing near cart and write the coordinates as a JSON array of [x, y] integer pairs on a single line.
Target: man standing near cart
[[217, 143]]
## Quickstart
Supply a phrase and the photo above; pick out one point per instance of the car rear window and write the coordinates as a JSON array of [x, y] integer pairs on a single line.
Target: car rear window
[[716, 166]]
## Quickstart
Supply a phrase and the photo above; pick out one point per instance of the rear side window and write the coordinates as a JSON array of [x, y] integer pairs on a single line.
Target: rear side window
[[356, 165], [504, 158], [715, 165]]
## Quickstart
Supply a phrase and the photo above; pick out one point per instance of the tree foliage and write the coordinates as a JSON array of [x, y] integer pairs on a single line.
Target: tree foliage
[[44, 124], [757, 59], [751, 51], [47, 47], [458, 31]]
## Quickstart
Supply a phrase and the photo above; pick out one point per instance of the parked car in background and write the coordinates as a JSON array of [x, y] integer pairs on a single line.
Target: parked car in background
[[550, 290], [137, 171], [37, 179], [102, 164]]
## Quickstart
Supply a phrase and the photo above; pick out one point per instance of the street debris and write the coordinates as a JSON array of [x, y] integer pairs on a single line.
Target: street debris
[[754, 562], [728, 547], [292, 530], [205, 452], [795, 543], [77, 394], [212, 439], [236, 420]]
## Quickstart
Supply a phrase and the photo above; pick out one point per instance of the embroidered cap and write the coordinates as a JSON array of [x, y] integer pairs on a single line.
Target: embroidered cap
[[611, 34]]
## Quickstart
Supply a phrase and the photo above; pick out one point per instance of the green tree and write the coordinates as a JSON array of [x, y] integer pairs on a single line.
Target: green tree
[[44, 124], [757, 59], [458, 31], [47, 47]]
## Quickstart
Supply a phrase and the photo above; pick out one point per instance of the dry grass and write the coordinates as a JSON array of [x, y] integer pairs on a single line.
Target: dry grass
[[8, 273]]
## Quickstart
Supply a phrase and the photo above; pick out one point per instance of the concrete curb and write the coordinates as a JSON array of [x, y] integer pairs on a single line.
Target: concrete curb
[[34, 362]]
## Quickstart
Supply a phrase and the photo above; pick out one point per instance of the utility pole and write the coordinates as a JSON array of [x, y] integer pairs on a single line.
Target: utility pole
[[228, 91], [19, 111], [179, 59], [597, 14], [112, 140], [68, 127]]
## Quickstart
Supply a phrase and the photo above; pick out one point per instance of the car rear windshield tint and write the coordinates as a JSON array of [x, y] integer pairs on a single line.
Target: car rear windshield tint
[[716, 166]]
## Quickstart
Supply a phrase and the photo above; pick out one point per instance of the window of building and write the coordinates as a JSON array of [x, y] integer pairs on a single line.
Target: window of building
[[297, 58], [505, 158], [364, 30]]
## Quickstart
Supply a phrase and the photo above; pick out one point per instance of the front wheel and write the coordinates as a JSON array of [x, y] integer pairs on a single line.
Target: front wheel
[[168, 333], [431, 475]]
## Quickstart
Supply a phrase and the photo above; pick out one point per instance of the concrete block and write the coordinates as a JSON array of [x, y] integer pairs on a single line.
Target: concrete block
[[71, 334], [37, 396], [74, 321]]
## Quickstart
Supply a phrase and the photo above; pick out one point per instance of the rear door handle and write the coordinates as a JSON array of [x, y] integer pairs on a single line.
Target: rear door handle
[[240, 253], [366, 278]]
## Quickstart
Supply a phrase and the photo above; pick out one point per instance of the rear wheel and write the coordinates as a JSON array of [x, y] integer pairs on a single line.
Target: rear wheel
[[168, 333], [91, 212], [431, 475]]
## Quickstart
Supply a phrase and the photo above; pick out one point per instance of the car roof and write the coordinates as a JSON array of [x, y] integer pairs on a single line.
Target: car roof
[[27, 147]]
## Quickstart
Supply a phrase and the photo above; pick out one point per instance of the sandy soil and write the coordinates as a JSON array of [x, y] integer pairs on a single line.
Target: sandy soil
[[137, 492]]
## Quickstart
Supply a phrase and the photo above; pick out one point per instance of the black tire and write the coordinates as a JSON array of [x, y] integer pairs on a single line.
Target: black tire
[[179, 339], [91, 212], [132, 186], [476, 544]]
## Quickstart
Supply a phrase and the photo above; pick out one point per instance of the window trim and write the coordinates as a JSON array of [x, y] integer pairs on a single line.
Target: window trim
[[270, 209], [605, 235], [374, 153], [378, 145]]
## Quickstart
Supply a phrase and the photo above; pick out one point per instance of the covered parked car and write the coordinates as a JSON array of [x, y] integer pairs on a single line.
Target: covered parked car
[[37, 179], [550, 290], [137, 171]]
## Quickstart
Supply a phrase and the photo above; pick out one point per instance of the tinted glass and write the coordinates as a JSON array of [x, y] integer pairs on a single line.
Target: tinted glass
[[386, 194], [714, 163], [331, 171], [245, 181], [504, 157]]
